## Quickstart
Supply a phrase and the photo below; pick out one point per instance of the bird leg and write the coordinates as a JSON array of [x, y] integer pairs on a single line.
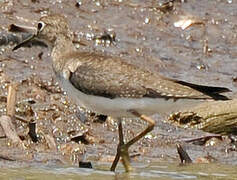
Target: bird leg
[[121, 142], [151, 124], [122, 149]]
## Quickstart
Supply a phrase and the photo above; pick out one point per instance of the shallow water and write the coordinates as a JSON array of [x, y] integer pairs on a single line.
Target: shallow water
[[154, 171]]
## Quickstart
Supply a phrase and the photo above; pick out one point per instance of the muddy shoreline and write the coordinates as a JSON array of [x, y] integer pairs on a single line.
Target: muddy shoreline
[[204, 53]]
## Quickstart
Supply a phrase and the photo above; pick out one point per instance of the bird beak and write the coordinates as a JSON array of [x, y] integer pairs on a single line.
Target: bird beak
[[23, 43]]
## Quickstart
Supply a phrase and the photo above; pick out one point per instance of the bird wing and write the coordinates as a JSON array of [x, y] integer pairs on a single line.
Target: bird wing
[[107, 77], [112, 77]]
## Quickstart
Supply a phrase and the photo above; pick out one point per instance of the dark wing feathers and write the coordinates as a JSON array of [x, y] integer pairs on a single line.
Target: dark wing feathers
[[211, 91], [111, 78]]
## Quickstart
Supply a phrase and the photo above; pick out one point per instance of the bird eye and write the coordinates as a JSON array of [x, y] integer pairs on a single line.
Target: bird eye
[[41, 26]]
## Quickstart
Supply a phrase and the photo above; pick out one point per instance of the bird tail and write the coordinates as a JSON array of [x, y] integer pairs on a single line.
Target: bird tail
[[211, 91]]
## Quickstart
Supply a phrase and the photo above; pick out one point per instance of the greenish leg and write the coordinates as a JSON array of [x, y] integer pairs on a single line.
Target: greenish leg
[[122, 150]]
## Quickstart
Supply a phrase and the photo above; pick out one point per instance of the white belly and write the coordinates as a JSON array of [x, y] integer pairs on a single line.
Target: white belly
[[118, 107]]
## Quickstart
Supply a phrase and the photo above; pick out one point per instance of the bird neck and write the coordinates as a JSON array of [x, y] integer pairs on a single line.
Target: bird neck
[[63, 45]]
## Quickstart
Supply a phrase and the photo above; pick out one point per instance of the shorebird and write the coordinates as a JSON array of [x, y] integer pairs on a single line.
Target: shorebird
[[111, 86]]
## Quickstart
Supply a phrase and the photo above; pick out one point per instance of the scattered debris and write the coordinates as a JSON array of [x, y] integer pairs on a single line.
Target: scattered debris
[[185, 21], [6, 158], [72, 150], [206, 159], [50, 142], [6, 120], [202, 140], [218, 117], [101, 118], [234, 79], [98, 118], [183, 155], [233, 143], [35, 1], [233, 138], [206, 49], [105, 39], [9, 129], [85, 165], [84, 138], [185, 118], [40, 55], [213, 141], [32, 131], [11, 100], [165, 6]]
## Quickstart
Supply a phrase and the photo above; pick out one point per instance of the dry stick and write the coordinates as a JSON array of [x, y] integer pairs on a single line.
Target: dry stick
[[9, 129], [6, 120], [50, 142], [219, 117], [184, 157], [11, 100]]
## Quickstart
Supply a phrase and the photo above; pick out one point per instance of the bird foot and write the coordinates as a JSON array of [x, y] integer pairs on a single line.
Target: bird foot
[[122, 151]]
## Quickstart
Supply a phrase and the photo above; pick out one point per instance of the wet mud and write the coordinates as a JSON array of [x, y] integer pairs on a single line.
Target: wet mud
[[151, 34]]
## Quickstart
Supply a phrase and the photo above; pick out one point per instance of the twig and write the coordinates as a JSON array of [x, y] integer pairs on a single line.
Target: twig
[[21, 119], [184, 157], [11, 100], [50, 142], [9, 129], [6, 120]]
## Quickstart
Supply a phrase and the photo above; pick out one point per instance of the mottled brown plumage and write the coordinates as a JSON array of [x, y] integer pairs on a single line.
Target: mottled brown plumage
[[112, 77]]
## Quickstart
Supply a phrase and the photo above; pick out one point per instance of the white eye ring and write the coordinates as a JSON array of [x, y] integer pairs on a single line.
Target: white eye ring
[[40, 26]]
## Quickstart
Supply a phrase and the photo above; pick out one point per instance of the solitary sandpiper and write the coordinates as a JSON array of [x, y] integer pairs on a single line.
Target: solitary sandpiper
[[110, 86]]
